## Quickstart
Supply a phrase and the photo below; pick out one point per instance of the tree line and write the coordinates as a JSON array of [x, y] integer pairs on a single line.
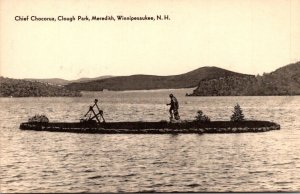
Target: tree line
[[22, 88]]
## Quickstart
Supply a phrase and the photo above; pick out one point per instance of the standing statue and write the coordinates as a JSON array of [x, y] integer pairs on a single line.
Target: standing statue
[[174, 108]]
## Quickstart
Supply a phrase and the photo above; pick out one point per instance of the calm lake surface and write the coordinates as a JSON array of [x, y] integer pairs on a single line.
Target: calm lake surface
[[64, 162]]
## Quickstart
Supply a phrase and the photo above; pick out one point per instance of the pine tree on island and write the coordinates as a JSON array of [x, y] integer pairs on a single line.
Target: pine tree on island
[[237, 114]]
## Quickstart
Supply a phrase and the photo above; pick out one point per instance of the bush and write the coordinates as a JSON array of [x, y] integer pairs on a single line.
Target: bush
[[201, 117], [237, 114], [38, 118]]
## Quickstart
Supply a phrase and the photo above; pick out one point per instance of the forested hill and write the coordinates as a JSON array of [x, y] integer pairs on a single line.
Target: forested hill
[[283, 81], [145, 82], [22, 88]]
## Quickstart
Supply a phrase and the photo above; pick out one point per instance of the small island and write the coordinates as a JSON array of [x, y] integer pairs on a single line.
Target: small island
[[162, 127], [96, 124]]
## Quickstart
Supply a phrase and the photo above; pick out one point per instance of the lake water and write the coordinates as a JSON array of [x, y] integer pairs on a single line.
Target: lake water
[[65, 162]]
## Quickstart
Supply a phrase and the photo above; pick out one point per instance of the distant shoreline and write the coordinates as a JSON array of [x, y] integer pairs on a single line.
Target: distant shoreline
[[204, 81], [86, 93]]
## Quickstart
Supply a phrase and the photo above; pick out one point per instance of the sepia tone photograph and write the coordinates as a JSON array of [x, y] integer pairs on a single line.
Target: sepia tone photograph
[[149, 96]]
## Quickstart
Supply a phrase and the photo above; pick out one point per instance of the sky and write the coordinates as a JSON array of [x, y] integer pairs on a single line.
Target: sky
[[246, 36]]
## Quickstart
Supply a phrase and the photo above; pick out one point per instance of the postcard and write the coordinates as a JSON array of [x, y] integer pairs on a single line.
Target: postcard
[[167, 96]]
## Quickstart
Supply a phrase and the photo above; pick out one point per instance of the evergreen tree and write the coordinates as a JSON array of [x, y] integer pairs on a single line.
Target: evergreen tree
[[237, 114]]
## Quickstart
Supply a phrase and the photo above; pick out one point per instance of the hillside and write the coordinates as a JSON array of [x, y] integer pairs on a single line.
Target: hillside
[[53, 81], [145, 82], [58, 81], [22, 88], [283, 81], [86, 79]]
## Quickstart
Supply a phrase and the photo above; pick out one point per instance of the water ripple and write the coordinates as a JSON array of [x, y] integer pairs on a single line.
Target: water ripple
[[62, 162]]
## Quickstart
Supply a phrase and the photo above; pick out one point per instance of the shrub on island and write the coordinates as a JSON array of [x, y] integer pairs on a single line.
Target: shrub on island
[[202, 117]]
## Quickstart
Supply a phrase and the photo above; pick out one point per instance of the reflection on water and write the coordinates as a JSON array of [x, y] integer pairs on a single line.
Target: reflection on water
[[57, 162]]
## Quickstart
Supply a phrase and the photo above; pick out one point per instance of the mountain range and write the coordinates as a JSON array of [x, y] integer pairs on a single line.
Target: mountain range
[[208, 81], [146, 82]]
